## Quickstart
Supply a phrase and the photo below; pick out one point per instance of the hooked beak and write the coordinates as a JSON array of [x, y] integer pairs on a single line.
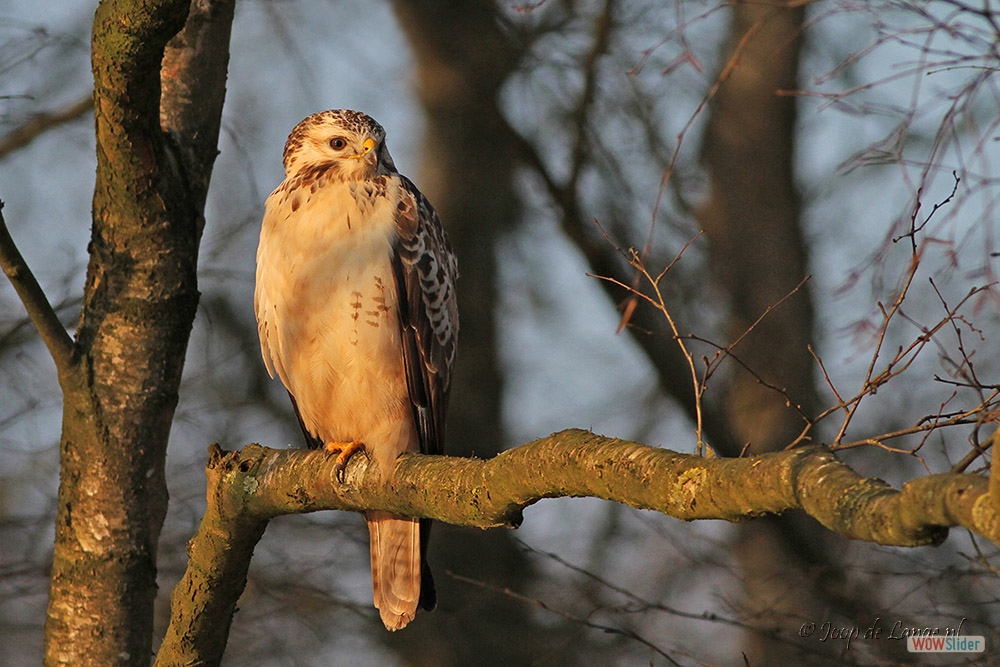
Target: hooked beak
[[367, 153]]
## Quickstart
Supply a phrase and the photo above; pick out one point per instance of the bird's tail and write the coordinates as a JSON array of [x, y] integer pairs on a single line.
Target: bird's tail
[[397, 566]]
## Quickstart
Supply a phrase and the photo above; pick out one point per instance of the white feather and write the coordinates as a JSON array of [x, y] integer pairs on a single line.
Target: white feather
[[326, 309]]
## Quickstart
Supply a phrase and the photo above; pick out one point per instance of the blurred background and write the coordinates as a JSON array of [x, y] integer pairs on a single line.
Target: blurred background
[[553, 137]]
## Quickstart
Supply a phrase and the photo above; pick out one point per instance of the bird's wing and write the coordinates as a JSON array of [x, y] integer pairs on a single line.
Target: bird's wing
[[425, 270], [263, 300], [266, 306]]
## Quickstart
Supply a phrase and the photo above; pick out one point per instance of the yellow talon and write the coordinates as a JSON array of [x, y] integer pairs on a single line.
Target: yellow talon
[[344, 451]]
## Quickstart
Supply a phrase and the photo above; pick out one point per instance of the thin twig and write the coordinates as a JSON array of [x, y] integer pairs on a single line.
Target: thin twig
[[665, 178], [698, 385], [610, 629], [978, 449]]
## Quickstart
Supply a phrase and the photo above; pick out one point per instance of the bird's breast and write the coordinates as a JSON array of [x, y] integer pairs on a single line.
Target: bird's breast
[[327, 299]]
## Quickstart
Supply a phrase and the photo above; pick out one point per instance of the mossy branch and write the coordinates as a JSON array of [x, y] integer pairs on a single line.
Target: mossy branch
[[247, 488]]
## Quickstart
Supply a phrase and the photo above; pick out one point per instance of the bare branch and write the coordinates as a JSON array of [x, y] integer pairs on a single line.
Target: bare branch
[[586, 622], [978, 449], [915, 228], [248, 488], [606, 263], [39, 309], [26, 133]]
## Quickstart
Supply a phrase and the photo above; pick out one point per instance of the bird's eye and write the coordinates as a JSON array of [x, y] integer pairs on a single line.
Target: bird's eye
[[338, 143]]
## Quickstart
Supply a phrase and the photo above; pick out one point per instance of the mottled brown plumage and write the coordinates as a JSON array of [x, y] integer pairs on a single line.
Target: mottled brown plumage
[[357, 315]]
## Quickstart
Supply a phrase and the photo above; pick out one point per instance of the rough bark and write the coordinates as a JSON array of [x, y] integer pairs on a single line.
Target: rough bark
[[193, 81], [120, 376], [249, 487], [204, 601]]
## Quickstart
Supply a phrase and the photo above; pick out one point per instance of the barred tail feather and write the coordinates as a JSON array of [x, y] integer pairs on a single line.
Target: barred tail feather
[[396, 566]]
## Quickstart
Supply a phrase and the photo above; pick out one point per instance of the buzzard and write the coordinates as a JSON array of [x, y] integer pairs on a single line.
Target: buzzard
[[356, 313]]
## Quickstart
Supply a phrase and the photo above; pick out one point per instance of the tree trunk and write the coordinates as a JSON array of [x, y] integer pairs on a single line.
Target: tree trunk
[[121, 380], [758, 257], [752, 222], [463, 58]]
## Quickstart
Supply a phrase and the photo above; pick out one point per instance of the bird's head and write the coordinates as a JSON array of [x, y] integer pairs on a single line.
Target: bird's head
[[348, 145]]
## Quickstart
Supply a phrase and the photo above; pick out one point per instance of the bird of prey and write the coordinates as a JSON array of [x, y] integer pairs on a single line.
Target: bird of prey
[[357, 314]]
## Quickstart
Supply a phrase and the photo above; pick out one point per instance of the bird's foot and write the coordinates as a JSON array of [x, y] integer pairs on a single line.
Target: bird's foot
[[344, 451]]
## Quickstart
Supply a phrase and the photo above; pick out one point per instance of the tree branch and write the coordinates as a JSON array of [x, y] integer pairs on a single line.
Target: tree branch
[[648, 328], [39, 309], [249, 487], [139, 302], [193, 82], [24, 134]]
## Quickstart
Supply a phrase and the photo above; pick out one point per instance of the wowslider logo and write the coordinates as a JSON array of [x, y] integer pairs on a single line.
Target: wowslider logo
[[952, 644]]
